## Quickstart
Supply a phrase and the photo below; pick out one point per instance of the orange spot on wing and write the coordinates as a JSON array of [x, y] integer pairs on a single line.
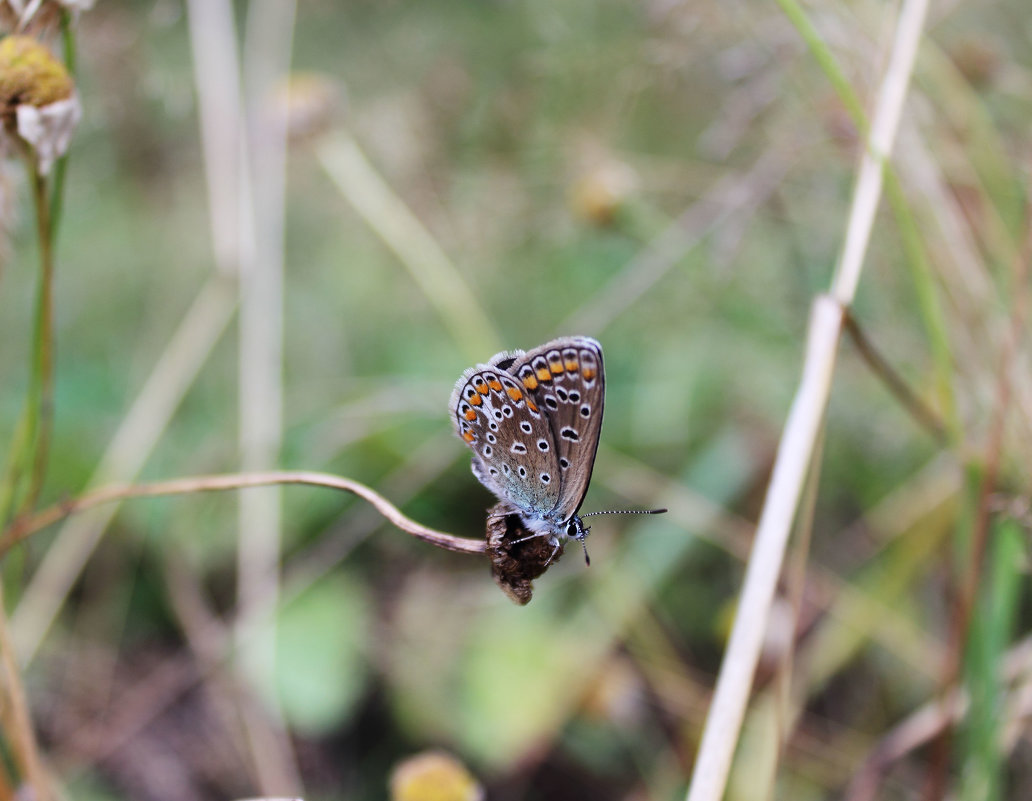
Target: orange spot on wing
[[515, 394], [481, 388], [531, 405], [530, 381], [557, 367], [469, 436], [588, 373], [544, 374], [470, 414], [571, 365], [475, 400], [496, 385]]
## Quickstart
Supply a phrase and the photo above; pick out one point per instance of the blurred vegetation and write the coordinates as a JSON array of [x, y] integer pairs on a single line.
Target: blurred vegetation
[[669, 177]]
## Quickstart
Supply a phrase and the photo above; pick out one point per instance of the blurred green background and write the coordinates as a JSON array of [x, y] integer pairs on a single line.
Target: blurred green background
[[672, 178]]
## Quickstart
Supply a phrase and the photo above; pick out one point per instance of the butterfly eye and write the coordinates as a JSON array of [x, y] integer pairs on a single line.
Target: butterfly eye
[[571, 529]]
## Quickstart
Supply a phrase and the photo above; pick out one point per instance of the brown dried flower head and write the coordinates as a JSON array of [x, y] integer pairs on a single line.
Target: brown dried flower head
[[38, 104], [515, 564]]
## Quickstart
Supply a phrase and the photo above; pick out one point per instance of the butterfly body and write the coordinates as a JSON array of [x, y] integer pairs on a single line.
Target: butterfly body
[[533, 421]]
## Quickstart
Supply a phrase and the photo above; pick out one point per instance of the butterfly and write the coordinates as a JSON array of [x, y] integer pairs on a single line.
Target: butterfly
[[533, 421]]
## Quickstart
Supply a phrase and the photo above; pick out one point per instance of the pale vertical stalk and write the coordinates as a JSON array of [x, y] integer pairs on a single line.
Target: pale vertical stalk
[[217, 81], [799, 437], [267, 47]]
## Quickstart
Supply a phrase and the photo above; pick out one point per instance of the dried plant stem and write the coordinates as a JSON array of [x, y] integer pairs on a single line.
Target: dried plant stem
[[907, 398], [266, 62], [17, 723], [22, 528], [800, 434]]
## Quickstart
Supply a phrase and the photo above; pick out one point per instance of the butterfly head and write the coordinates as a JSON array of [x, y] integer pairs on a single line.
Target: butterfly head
[[576, 529]]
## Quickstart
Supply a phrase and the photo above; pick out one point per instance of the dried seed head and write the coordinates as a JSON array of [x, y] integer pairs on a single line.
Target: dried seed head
[[29, 74], [599, 192], [307, 103], [38, 104], [515, 560]]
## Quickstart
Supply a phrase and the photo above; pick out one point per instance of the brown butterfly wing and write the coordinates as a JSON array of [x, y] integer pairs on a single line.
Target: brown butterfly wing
[[566, 381]]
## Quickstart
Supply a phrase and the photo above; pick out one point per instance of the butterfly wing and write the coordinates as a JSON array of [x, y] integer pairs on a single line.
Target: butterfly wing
[[565, 379], [511, 439]]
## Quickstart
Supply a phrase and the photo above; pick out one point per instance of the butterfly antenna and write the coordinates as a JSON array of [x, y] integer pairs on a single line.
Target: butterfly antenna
[[584, 545], [627, 512]]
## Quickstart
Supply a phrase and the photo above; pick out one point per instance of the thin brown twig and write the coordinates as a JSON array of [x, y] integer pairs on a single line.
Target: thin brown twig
[[17, 722], [895, 383], [25, 526]]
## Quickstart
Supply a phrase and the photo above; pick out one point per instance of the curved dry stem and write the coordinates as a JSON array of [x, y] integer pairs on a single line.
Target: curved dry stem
[[24, 527]]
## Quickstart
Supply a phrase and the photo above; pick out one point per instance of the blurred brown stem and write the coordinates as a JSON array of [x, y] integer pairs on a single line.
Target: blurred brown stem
[[23, 527], [16, 721], [894, 381]]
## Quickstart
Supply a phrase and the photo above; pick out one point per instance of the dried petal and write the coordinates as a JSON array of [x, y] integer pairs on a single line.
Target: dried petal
[[49, 129]]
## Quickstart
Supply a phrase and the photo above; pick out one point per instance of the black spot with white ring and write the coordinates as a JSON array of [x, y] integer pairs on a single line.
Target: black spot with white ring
[[545, 478], [543, 445], [522, 471], [507, 411], [564, 462], [497, 414], [526, 427], [491, 438], [562, 393], [518, 447], [585, 410], [570, 434], [551, 402], [574, 396], [488, 451]]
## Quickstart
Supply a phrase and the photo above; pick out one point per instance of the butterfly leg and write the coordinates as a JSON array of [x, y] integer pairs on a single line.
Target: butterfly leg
[[555, 550], [531, 537]]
